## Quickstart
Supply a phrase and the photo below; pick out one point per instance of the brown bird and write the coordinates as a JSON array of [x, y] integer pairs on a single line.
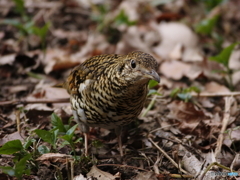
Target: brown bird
[[109, 91]]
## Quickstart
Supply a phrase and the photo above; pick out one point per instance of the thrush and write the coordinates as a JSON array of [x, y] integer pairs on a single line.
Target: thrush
[[109, 91]]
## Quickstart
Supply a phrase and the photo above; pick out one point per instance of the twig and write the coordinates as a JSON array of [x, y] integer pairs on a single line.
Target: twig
[[213, 164], [206, 94], [155, 166], [166, 155], [226, 117], [234, 161], [150, 105], [35, 101]]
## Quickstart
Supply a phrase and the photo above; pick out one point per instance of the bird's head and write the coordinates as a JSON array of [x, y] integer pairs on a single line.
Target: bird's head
[[139, 67]]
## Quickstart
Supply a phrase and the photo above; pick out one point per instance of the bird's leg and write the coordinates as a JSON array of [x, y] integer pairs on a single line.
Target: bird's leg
[[85, 129], [118, 132], [86, 143]]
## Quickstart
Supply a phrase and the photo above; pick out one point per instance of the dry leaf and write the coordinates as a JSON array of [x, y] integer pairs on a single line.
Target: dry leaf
[[145, 175], [55, 157], [175, 35], [213, 87], [99, 174], [174, 69], [11, 137]]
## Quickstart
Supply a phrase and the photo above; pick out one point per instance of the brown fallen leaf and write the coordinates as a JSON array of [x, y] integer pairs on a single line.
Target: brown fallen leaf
[[99, 174], [11, 137], [145, 175], [189, 117], [174, 69], [213, 87], [54, 157]]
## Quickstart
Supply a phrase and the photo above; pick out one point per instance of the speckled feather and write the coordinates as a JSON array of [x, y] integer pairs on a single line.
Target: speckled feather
[[108, 90]]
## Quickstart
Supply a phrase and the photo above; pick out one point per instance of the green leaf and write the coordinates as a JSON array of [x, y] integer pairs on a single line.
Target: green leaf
[[152, 83], [57, 123], [8, 170], [16, 24], [28, 143], [21, 168], [70, 132], [224, 56], [34, 75], [43, 149], [41, 31], [206, 26], [174, 92], [184, 96], [153, 91], [19, 6], [122, 18], [67, 138], [11, 147], [191, 89], [46, 136]]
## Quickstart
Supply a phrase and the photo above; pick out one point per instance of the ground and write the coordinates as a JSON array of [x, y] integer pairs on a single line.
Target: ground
[[189, 127]]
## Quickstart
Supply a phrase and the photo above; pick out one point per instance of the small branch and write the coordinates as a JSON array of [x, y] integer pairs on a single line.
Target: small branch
[[226, 117], [35, 101], [210, 166], [206, 94], [167, 156], [150, 105]]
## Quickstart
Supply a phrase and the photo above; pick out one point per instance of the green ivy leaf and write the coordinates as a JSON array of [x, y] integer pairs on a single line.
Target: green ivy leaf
[[21, 168], [11, 147], [206, 26], [224, 56]]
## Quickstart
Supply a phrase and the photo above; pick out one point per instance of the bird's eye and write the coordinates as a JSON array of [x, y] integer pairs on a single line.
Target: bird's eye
[[133, 64]]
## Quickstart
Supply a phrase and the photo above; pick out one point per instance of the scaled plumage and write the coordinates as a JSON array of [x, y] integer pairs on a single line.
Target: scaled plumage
[[109, 91]]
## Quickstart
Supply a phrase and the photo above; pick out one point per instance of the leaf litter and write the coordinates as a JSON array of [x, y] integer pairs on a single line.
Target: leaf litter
[[176, 138]]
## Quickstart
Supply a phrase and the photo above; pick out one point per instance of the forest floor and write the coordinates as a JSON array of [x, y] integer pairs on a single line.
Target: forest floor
[[190, 126]]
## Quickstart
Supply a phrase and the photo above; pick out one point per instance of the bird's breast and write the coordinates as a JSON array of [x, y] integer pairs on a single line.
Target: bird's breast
[[100, 103]]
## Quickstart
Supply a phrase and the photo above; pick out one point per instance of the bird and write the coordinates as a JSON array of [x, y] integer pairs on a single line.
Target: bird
[[110, 90]]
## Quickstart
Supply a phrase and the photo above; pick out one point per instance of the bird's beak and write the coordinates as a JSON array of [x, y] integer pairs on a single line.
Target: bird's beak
[[153, 75]]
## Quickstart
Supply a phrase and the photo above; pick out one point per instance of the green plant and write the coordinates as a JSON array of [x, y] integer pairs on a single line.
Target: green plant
[[151, 91], [151, 85], [223, 58], [21, 158], [24, 158], [65, 132], [108, 25], [206, 27], [26, 25], [184, 93]]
